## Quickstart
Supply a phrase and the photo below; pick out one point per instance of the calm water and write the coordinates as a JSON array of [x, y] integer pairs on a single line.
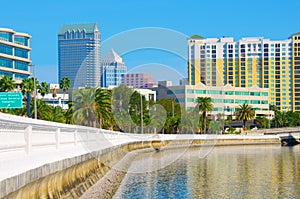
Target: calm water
[[227, 172]]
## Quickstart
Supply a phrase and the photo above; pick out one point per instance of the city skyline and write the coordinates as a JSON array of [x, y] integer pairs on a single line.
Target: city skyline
[[208, 19]]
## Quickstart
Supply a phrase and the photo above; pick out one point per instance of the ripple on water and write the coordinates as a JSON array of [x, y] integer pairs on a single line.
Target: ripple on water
[[227, 172]]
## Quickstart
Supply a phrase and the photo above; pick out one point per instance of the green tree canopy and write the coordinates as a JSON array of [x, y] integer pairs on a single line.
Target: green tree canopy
[[6, 84], [244, 113], [204, 105], [43, 88]]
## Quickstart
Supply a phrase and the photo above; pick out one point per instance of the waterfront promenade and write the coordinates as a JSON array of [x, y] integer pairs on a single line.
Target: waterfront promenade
[[26, 145]]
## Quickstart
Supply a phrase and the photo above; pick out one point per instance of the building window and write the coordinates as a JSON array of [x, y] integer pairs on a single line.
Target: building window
[[21, 53], [5, 49], [7, 63], [21, 65]]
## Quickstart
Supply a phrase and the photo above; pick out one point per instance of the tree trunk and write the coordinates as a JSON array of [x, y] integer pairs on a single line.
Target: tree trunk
[[100, 123], [204, 122]]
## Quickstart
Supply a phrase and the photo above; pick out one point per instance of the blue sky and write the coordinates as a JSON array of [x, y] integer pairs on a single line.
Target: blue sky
[[236, 18]]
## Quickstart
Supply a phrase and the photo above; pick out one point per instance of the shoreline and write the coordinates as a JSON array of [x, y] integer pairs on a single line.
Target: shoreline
[[117, 153]]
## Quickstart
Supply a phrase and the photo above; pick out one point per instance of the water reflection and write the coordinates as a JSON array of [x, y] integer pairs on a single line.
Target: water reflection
[[227, 172]]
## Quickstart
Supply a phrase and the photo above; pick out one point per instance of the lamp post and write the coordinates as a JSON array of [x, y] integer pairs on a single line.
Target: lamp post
[[142, 129], [34, 90]]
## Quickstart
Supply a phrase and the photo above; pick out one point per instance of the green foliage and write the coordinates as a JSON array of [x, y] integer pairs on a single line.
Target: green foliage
[[65, 84], [196, 37], [55, 114], [173, 114], [84, 107], [262, 122], [215, 127], [229, 118], [6, 84], [244, 113], [204, 105], [27, 85], [43, 88], [231, 130]]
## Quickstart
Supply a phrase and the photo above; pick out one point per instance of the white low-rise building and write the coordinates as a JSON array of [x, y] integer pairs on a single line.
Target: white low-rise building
[[225, 98], [55, 97]]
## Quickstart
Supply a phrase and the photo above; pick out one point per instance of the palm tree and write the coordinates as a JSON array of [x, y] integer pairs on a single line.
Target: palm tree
[[84, 107], [42, 109], [103, 105], [69, 113], [280, 119], [64, 84], [204, 105], [55, 114], [27, 87], [44, 88], [6, 84], [244, 112], [262, 122]]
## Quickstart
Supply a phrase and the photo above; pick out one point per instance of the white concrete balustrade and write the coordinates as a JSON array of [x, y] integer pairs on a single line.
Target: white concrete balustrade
[[27, 143]]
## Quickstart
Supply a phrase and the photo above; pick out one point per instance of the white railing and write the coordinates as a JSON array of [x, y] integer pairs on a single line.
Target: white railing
[[18, 133]]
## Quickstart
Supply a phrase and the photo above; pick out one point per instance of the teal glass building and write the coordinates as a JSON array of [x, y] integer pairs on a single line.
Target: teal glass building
[[79, 54], [14, 54]]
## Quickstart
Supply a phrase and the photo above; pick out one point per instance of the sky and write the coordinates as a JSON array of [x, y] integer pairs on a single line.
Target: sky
[[232, 18]]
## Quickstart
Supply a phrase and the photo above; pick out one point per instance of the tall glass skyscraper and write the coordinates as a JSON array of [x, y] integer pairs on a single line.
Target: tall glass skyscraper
[[79, 54], [272, 64], [112, 68], [14, 54]]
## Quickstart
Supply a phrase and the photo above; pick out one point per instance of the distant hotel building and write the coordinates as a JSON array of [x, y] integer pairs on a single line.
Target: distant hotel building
[[138, 80], [250, 61], [112, 69], [79, 54], [225, 98], [14, 54]]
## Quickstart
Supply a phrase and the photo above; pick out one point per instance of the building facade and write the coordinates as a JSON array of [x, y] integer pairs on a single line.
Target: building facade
[[225, 98], [112, 69], [56, 97], [14, 54], [272, 64], [150, 95], [79, 54], [138, 80]]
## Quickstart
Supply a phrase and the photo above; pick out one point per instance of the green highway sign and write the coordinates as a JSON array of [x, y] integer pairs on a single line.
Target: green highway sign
[[10, 100]]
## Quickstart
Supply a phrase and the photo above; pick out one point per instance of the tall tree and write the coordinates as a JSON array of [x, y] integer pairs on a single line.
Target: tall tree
[[64, 84], [262, 122], [121, 107], [42, 109], [43, 88], [205, 105], [84, 107], [244, 113], [55, 114], [6, 84], [27, 87], [103, 105]]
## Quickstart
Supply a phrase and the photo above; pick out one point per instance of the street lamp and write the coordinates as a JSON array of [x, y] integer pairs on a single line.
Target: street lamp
[[142, 128], [34, 90]]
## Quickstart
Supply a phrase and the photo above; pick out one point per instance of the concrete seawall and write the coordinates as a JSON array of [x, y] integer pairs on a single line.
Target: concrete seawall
[[71, 178]]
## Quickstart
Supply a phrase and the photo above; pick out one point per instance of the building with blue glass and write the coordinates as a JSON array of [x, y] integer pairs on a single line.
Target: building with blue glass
[[112, 69], [79, 54], [14, 54]]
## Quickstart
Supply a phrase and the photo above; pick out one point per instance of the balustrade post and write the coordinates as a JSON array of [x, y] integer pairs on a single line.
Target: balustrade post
[[27, 135], [57, 138], [75, 138]]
